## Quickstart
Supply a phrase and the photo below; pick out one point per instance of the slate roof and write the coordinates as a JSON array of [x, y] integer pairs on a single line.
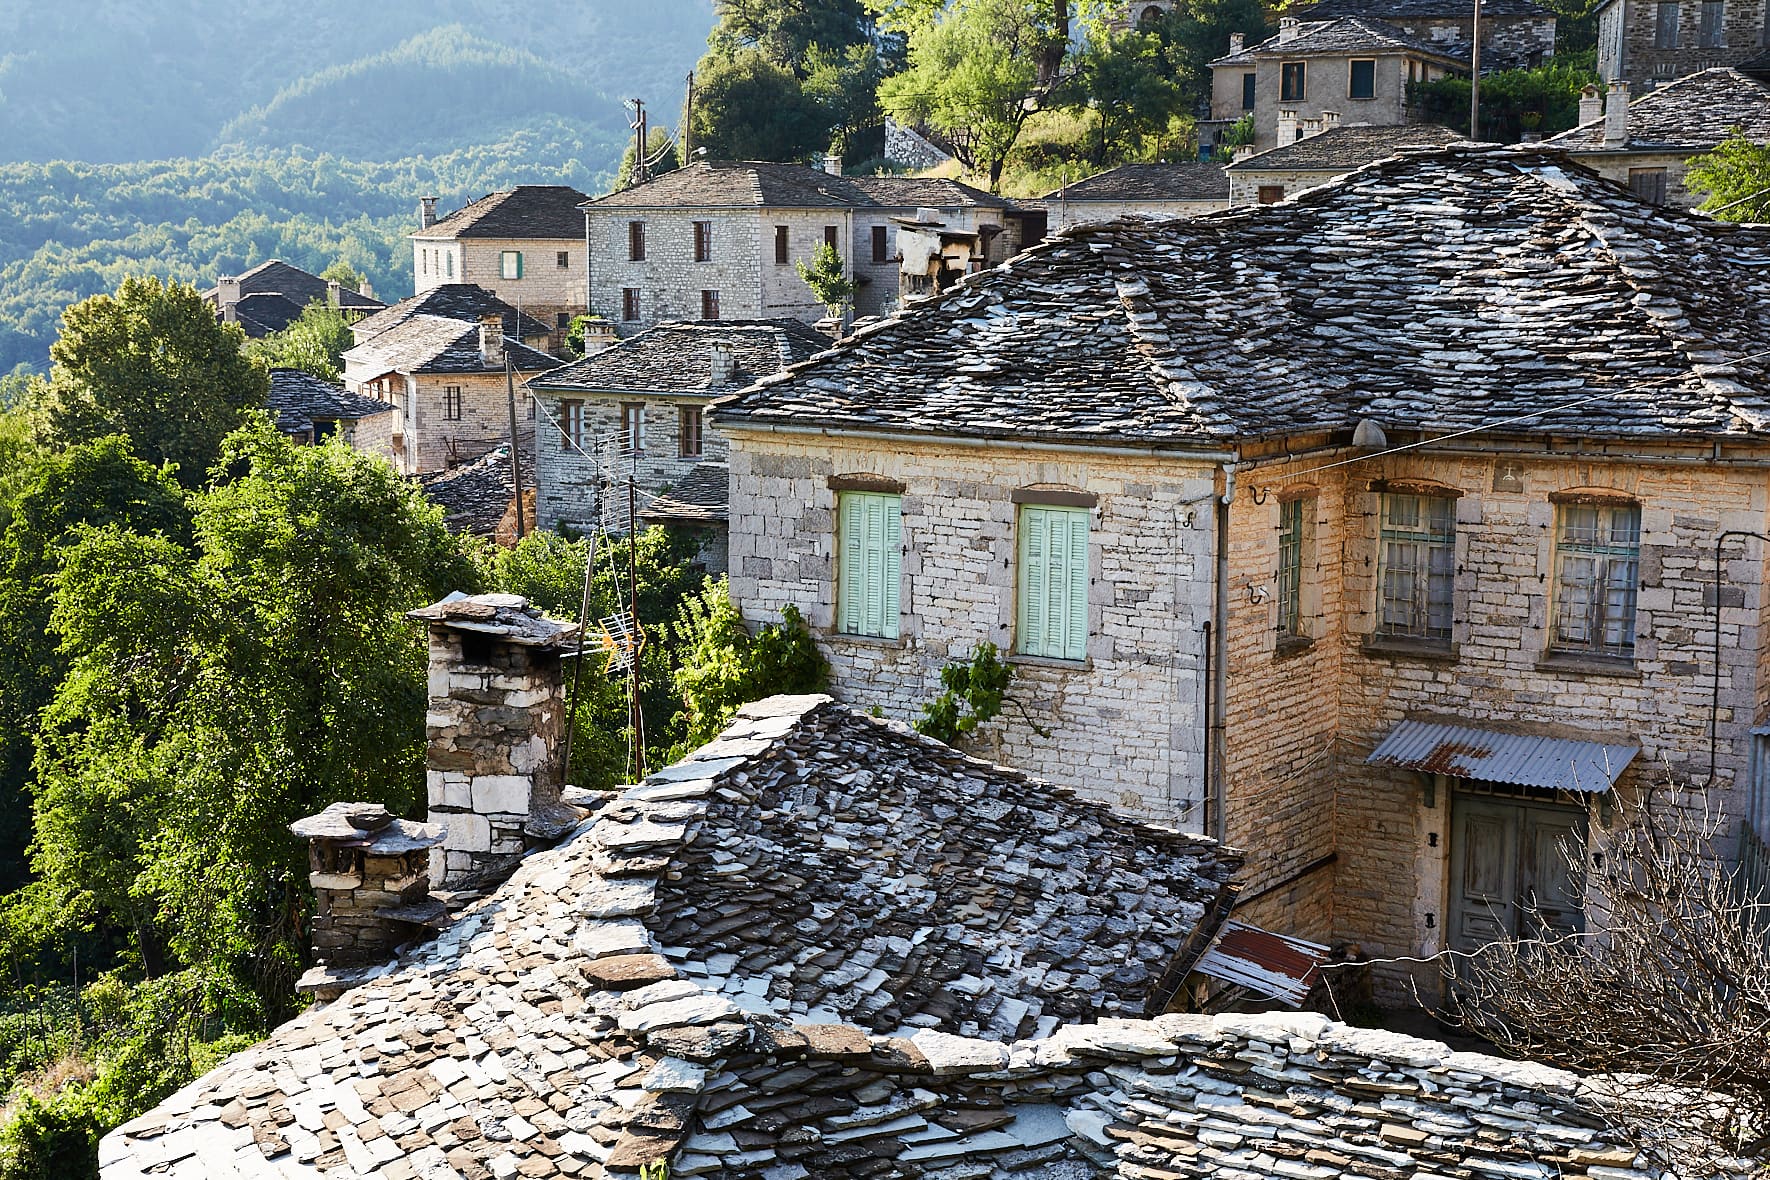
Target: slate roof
[[1191, 181], [261, 314], [432, 344], [300, 287], [702, 496], [297, 397], [699, 977], [1437, 290], [1692, 114], [542, 211], [677, 358], [475, 496], [1346, 147], [1337, 37], [762, 185], [455, 301], [1397, 10]]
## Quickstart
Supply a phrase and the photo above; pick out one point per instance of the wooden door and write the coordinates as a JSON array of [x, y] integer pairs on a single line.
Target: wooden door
[[1512, 870]]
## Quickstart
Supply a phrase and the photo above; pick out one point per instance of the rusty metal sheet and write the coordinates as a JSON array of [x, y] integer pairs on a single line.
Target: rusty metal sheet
[[1523, 760], [1276, 966]]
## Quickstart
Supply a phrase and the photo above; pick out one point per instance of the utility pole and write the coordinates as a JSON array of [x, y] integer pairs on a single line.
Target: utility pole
[[1475, 73], [636, 711], [688, 124], [515, 450], [641, 173]]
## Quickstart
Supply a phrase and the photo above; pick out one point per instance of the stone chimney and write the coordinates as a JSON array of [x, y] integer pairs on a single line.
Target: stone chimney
[[1616, 114], [491, 339], [1330, 120], [1287, 28], [724, 362], [227, 294], [1237, 42], [366, 290], [832, 163], [1244, 151], [1591, 107], [494, 725], [598, 335], [1287, 127], [426, 212], [334, 293], [371, 882]]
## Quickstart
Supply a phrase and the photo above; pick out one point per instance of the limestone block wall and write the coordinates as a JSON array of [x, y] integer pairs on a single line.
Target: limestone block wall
[[784, 293], [1244, 187], [435, 442], [1627, 41], [1616, 165], [496, 715], [1123, 727], [546, 290], [567, 480], [669, 279], [1068, 213], [1507, 42]]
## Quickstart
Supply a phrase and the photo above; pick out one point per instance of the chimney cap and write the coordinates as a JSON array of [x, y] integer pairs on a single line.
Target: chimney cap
[[369, 826], [507, 617]]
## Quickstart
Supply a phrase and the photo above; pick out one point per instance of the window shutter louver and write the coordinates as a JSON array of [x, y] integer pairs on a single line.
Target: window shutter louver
[[1032, 581], [1052, 613], [869, 563], [1075, 638]]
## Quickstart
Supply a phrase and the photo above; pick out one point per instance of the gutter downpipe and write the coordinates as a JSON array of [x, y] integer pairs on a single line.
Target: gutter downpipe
[[1217, 713]]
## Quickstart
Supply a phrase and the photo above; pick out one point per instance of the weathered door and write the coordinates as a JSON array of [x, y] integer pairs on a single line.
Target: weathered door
[[1508, 856]]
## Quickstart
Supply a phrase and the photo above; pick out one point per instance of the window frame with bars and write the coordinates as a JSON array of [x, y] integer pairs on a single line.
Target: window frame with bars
[[452, 403], [1051, 586], [1594, 614], [1425, 611], [1296, 520], [691, 439], [869, 564]]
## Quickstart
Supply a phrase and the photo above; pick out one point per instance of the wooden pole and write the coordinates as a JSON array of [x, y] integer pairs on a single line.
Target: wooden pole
[[515, 449], [636, 709], [1475, 73]]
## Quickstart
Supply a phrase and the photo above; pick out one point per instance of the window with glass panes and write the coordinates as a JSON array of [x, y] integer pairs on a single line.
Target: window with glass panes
[[1416, 567], [1597, 569], [869, 544], [688, 432], [571, 425], [451, 403], [1052, 601], [1290, 567]]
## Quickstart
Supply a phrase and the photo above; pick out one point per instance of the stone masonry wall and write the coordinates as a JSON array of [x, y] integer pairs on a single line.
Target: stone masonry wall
[[1506, 42], [546, 290], [1124, 727], [1067, 213], [568, 480], [495, 714], [1642, 62], [433, 442], [1244, 187], [1616, 165]]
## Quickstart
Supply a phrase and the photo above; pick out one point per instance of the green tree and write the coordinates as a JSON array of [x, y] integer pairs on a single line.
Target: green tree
[[315, 343], [750, 108], [786, 30], [1735, 178], [1126, 80], [341, 271], [725, 667], [829, 286], [219, 692], [1197, 33], [94, 483], [1543, 100], [153, 364], [977, 71]]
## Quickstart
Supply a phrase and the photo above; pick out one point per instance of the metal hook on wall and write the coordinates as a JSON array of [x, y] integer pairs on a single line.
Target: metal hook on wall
[[1260, 495]]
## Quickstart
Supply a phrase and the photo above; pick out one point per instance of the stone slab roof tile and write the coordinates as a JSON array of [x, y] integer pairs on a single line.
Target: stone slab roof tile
[[540, 211], [276, 277], [435, 344], [677, 358], [1346, 147], [1192, 181], [1692, 114], [454, 301], [1337, 37], [700, 497], [476, 496], [297, 397], [699, 976], [763, 185], [1444, 290], [1397, 10]]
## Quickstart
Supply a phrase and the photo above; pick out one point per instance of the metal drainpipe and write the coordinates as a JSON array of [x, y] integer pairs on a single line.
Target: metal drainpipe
[[1214, 735]]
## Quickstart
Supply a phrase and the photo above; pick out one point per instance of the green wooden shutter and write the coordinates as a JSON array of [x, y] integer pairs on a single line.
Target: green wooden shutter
[[869, 563], [1053, 591]]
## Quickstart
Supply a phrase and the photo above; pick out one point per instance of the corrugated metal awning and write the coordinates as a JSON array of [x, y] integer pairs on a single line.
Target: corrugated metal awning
[[1520, 760], [1276, 966]]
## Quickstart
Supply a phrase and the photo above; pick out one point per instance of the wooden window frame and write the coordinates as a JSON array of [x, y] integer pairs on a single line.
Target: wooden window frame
[[1352, 78], [510, 264], [1287, 71], [709, 306], [1250, 90], [636, 241], [703, 241], [783, 245], [452, 403], [1051, 619], [571, 424], [562, 259], [833, 237], [1296, 518], [633, 426], [881, 244], [1712, 34], [1665, 35], [869, 564], [690, 433], [1416, 567], [1600, 601], [630, 305]]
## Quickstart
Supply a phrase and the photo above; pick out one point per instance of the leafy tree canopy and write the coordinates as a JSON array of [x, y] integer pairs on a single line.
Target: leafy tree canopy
[[153, 364], [1513, 102], [748, 108], [829, 286], [316, 342], [1735, 177], [786, 30], [660, 149]]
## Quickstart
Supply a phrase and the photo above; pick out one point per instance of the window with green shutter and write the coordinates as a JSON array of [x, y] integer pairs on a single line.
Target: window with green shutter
[[1052, 611], [869, 541]]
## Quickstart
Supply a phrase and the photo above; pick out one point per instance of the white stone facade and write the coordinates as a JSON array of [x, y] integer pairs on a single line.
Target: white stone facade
[[568, 479], [551, 292]]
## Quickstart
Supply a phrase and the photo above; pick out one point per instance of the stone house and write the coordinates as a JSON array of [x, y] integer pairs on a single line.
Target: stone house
[[1251, 500], [821, 946], [1351, 68], [466, 302], [272, 295], [638, 408], [1325, 151], [525, 245], [719, 240], [1647, 144], [310, 411], [1156, 190], [445, 379], [1650, 42], [1515, 34]]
